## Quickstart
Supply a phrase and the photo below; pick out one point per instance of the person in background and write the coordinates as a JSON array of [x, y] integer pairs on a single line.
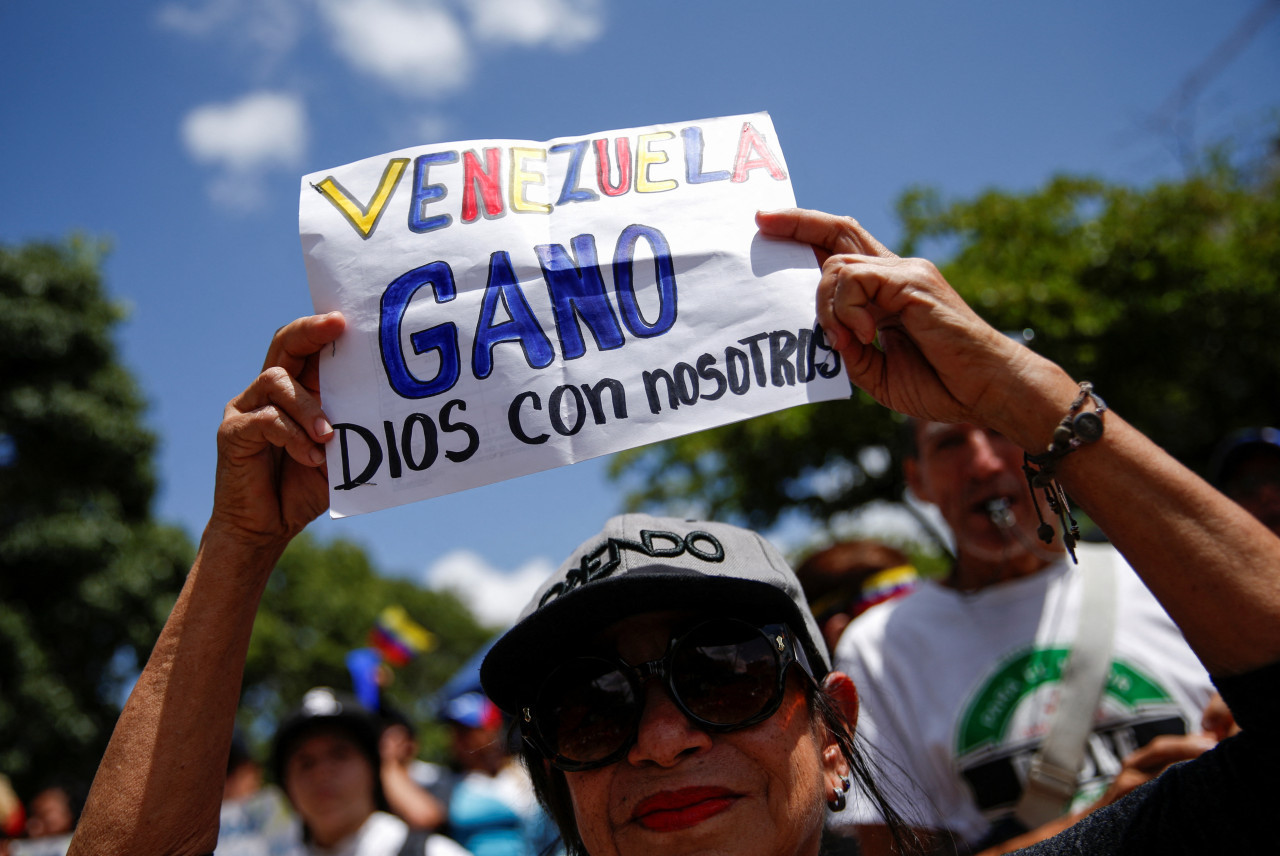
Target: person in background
[[846, 579], [52, 813], [255, 819], [962, 680], [13, 814], [1246, 467], [325, 755], [491, 804], [408, 782]]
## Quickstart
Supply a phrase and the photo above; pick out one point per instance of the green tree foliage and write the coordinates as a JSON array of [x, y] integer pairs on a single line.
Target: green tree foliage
[[1166, 297], [320, 603], [86, 577]]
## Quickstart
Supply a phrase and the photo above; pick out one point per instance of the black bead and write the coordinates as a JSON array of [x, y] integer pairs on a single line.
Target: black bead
[[1088, 427]]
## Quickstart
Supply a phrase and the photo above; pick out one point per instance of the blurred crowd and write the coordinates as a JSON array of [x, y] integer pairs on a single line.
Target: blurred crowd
[[40, 825], [342, 779], [349, 780]]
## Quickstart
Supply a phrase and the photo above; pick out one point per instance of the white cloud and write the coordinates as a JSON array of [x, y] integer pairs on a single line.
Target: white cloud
[[270, 26], [261, 129], [240, 192], [531, 23], [416, 48], [495, 596], [198, 21], [432, 128]]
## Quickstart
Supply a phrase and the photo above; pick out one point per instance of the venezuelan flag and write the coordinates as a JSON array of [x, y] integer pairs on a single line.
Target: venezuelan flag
[[398, 637], [885, 585]]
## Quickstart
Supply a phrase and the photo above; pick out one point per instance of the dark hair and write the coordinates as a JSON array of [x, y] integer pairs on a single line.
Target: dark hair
[[389, 716], [907, 439], [844, 565], [864, 775], [552, 788]]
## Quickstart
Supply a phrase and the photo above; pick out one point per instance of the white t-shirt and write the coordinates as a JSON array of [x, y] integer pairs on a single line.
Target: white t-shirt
[[957, 690], [261, 824], [383, 835], [55, 845]]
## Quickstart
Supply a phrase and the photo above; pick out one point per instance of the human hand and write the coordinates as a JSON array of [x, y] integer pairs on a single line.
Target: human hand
[[1144, 764], [936, 359], [271, 479], [1217, 720], [1138, 768], [397, 746]]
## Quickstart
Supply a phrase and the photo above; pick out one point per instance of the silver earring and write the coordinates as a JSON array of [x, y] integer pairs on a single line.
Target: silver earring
[[838, 800]]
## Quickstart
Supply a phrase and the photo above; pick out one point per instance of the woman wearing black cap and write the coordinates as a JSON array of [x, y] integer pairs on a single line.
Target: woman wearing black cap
[[685, 706], [325, 756]]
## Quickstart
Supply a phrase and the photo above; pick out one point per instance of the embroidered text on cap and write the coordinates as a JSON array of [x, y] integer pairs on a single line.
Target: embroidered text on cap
[[604, 559]]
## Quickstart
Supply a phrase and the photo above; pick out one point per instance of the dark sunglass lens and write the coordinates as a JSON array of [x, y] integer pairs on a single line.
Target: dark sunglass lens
[[725, 672], [587, 710]]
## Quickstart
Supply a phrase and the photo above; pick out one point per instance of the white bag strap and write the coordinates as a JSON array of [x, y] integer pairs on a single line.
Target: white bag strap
[[1052, 778]]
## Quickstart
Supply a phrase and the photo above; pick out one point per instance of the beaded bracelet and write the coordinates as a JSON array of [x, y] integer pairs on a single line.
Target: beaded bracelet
[[1078, 428]]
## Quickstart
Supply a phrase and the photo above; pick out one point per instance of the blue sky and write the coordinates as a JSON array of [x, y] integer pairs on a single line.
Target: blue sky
[[178, 131]]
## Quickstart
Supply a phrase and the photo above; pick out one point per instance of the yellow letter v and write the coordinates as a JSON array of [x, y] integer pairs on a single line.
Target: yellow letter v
[[364, 219]]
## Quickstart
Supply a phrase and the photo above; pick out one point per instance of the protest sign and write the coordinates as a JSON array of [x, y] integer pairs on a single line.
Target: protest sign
[[514, 306]]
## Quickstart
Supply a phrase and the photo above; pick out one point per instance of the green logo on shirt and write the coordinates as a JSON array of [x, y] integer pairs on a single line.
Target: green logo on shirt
[[986, 720]]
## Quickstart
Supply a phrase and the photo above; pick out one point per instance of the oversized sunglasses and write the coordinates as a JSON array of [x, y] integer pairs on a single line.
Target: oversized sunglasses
[[723, 674]]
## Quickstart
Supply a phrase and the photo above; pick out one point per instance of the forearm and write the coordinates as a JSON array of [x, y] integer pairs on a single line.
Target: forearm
[[159, 786], [414, 804], [1211, 565]]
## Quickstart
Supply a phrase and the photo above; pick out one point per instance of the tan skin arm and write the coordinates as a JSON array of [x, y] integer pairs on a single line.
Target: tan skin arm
[[1214, 568], [409, 801], [414, 804], [159, 786], [912, 343]]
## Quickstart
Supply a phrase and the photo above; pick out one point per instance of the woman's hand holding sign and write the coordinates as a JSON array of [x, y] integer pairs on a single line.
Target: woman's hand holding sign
[[938, 360], [271, 482], [271, 479], [935, 359]]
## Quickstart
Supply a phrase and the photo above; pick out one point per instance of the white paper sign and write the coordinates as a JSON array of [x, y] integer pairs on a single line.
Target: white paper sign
[[514, 306]]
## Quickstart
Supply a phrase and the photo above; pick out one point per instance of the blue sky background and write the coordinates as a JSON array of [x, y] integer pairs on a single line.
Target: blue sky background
[[179, 130]]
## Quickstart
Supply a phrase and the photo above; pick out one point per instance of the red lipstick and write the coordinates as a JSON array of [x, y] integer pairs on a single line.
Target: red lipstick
[[669, 811]]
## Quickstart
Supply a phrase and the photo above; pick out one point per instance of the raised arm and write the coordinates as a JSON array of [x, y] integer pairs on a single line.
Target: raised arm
[[913, 344], [159, 786]]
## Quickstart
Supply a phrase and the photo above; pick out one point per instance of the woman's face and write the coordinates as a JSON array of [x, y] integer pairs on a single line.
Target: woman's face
[[679, 790], [330, 783]]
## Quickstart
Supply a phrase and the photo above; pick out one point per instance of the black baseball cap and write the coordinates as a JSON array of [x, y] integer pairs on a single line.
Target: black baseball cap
[[323, 707]]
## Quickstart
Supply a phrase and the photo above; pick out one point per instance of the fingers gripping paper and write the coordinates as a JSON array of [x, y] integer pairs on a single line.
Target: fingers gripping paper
[[514, 306]]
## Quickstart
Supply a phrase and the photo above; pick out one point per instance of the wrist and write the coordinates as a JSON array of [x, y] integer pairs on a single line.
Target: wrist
[[1032, 401], [1081, 426], [240, 550]]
